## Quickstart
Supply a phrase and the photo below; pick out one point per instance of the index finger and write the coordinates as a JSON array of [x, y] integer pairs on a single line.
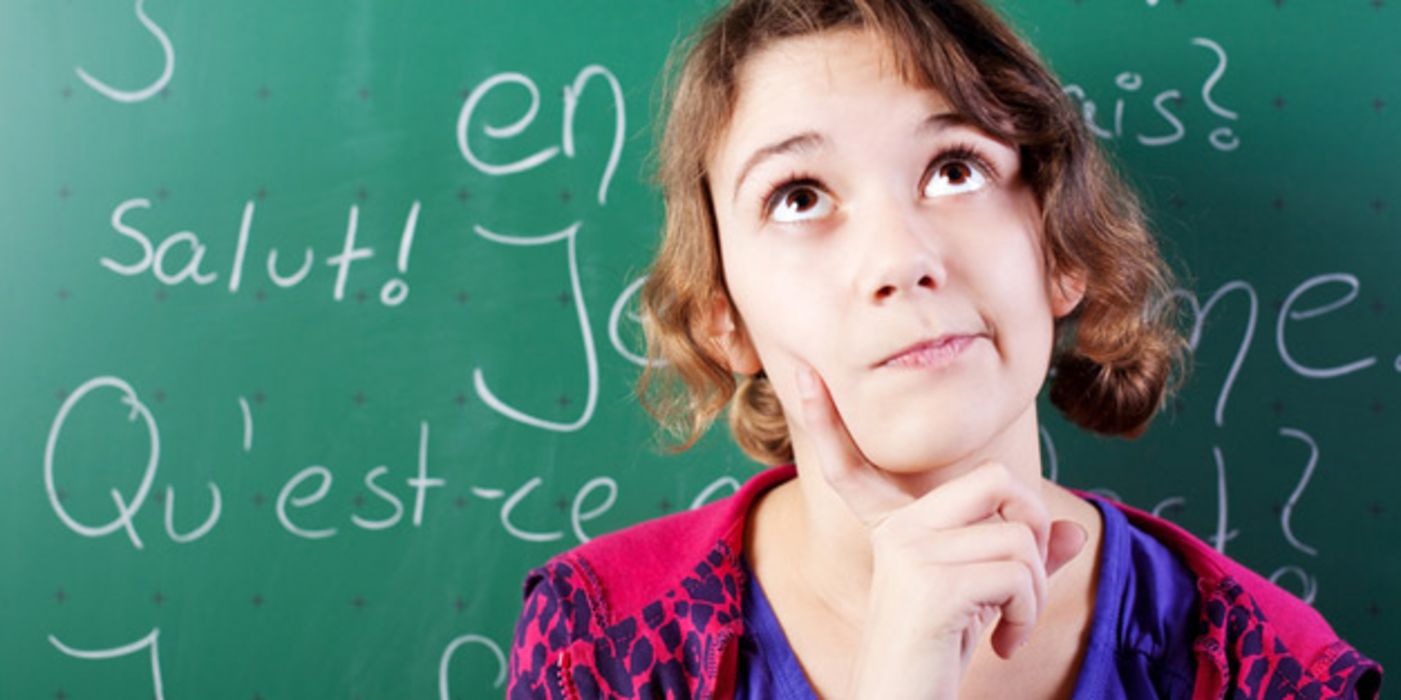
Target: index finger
[[989, 492], [852, 476]]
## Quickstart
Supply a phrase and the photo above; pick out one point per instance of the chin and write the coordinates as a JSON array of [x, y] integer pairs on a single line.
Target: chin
[[922, 453]]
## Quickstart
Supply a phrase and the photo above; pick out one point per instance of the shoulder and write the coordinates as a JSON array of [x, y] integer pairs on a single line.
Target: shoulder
[[1254, 637], [646, 609]]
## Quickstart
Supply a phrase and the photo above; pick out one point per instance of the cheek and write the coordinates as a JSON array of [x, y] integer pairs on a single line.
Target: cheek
[[781, 295], [787, 324], [790, 320]]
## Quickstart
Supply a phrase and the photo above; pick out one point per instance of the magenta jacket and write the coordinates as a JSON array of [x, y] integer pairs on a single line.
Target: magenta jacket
[[653, 610]]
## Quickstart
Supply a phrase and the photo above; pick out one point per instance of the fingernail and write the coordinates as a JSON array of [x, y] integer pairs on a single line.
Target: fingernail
[[807, 386]]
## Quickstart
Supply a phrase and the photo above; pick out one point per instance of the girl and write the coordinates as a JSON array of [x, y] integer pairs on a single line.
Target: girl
[[886, 218]]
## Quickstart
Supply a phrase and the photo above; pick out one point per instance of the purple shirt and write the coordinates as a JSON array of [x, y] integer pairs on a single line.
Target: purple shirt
[[1141, 630]]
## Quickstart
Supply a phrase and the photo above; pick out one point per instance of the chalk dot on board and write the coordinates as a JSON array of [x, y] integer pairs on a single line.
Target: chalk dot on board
[[62, 495], [463, 195], [160, 395], [460, 502], [362, 194], [563, 401], [1377, 406], [1277, 304], [67, 92], [1277, 406], [1378, 205], [1378, 104], [460, 399], [364, 93], [64, 192], [258, 499], [257, 600], [1374, 610], [1377, 4], [1279, 3], [165, 92], [60, 595], [162, 193], [1378, 306], [664, 505], [1277, 509], [264, 92], [357, 602], [562, 505], [463, 297], [564, 195], [60, 695], [1376, 509], [160, 295], [360, 296], [158, 497], [359, 398], [1277, 203], [259, 295], [359, 501], [61, 394], [1279, 102], [261, 194], [158, 598], [63, 294], [564, 298], [459, 604], [258, 396]]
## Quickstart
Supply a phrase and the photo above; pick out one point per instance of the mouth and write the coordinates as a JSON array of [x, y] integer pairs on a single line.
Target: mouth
[[931, 353]]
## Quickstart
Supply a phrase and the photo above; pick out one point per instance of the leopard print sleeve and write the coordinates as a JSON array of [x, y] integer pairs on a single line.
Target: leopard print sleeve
[[541, 636], [1253, 660]]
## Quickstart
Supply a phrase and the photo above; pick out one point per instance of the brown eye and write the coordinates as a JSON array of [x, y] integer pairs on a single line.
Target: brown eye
[[958, 173], [955, 177], [799, 201]]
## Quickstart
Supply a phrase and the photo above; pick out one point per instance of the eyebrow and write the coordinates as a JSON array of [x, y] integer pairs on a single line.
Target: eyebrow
[[812, 140]]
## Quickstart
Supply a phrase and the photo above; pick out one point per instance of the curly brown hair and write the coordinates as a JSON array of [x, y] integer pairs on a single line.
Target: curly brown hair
[[1115, 359]]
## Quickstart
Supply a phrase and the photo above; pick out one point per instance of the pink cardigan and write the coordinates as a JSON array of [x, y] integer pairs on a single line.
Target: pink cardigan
[[653, 610]]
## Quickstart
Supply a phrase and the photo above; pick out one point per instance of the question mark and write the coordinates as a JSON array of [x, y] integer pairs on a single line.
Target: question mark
[[1222, 138]]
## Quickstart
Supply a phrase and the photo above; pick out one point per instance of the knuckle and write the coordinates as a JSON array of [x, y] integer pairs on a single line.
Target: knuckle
[[1018, 539], [1027, 544]]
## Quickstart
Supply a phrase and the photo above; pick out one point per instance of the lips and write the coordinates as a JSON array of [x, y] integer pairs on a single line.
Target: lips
[[930, 351]]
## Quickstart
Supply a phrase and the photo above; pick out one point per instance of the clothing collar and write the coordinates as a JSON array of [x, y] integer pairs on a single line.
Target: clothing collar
[[674, 548]]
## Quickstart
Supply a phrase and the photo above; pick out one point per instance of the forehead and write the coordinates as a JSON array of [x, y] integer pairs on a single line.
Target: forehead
[[819, 82]]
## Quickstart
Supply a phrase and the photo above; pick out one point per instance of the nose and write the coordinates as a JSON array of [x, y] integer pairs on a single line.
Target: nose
[[900, 255]]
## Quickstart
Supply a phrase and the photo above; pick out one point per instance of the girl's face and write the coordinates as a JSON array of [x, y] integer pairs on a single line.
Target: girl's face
[[858, 216]]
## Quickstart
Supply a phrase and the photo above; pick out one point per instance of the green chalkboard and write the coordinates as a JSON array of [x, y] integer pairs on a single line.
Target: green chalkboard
[[316, 320]]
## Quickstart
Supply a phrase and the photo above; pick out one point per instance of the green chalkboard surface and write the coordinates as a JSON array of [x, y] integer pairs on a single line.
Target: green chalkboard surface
[[317, 320]]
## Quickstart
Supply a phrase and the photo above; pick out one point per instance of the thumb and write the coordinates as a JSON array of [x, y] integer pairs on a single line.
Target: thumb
[[1067, 539]]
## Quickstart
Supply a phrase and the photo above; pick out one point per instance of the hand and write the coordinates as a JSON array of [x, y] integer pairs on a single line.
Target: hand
[[944, 564]]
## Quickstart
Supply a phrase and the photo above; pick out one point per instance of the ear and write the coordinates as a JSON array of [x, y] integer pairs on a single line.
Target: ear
[[1067, 289], [729, 339]]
